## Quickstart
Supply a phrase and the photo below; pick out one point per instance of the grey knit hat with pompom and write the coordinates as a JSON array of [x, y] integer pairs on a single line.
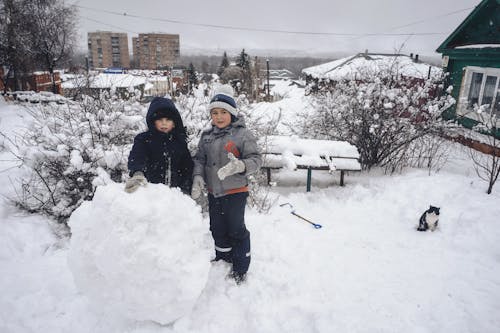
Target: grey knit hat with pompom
[[223, 98]]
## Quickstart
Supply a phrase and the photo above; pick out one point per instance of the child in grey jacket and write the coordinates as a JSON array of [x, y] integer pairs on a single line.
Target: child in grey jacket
[[227, 154]]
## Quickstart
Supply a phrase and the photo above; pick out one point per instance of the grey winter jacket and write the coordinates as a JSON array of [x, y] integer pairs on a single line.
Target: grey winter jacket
[[213, 151]]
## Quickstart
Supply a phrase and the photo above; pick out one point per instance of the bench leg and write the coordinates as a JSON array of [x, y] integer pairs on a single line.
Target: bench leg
[[268, 171], [342, 178], [309, 174]]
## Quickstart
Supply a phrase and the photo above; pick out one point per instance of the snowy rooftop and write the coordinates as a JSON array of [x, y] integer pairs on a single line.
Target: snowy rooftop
[[360, 65], [107, 81], [478, 46]]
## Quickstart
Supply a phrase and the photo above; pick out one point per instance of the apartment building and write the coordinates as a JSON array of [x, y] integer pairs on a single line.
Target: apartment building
[[108, 49], [156, 50]]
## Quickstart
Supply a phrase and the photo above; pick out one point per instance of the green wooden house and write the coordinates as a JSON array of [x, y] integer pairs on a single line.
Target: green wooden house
[[471, 56]]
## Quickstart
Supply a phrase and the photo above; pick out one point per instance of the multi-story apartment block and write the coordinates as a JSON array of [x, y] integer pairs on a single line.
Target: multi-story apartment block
[[108, 49], [155, 50]]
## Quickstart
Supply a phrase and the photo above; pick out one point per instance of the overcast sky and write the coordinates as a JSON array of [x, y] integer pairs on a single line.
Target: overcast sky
[[339, 26]]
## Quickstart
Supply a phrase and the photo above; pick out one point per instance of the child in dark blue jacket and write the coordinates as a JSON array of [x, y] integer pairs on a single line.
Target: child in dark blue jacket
[[160, 155]]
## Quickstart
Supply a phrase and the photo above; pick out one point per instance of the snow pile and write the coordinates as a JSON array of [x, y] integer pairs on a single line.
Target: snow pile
[[283, 115], [141, 255], [284, 88]]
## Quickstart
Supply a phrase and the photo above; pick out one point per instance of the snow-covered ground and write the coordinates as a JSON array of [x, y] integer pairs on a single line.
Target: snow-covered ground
[[366, 270]]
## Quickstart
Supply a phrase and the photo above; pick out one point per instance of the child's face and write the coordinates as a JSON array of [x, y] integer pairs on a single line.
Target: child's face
[[164, 125], [220, 117]]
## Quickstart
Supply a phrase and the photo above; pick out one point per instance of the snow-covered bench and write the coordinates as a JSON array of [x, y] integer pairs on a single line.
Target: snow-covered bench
[[295, 153]]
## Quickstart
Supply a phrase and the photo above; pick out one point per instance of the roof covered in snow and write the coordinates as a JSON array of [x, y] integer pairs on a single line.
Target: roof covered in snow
[[363, 65], [105, 81]]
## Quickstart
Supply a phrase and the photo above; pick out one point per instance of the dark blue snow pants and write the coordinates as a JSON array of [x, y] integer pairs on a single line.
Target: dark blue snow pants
[[227, 224]]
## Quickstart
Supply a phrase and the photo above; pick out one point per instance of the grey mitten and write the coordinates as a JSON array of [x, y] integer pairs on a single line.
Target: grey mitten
[[234, 166], [198, 185], [134, 182]]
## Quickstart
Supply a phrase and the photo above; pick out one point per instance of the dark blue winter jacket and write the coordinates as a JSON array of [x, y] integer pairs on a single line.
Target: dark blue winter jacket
[[163, 157]]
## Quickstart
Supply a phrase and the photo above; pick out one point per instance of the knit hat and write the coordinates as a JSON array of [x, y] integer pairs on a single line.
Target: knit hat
[[162, 113], [223, 98]]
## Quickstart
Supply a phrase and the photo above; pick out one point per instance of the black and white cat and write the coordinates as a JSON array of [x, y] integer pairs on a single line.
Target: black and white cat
[[429, 219]]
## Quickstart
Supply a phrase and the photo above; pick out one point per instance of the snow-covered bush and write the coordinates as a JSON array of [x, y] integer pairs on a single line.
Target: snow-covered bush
[[486, 160], [383, 116], [429, 151], [67, 150], [194, 112]]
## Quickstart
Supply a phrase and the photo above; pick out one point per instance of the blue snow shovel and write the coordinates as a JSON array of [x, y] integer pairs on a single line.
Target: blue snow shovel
[[317, 226]]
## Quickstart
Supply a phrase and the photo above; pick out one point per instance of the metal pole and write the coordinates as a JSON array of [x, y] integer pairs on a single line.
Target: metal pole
[[171, 83], [309, 173], [268, 94]]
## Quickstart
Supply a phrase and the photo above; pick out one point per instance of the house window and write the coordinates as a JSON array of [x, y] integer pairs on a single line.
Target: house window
[[475, 88], [489, 90], [481, 88]]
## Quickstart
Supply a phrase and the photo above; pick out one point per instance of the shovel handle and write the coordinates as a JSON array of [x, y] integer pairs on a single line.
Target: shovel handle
[[315, 225]]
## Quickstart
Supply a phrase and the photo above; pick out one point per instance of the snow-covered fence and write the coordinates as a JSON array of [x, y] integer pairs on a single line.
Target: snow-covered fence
[[34, 97], [296, 153]]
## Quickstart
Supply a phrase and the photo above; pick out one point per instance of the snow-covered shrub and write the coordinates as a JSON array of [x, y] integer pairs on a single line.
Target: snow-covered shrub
[[487, 161], [383, 116], [194, 112], [67, 150], [429, 151], [260, 197]]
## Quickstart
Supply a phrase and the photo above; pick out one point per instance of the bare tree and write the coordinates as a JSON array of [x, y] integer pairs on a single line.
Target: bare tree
[[16, 52], [232, 75], [54, 37], [486, 135], [35, 34]]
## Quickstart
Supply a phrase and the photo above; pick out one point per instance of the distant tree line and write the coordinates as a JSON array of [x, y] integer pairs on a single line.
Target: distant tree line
[[35, 35], [212, 63], [245, 73]]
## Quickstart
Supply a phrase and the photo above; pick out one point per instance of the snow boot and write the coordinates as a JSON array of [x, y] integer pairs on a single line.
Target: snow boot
[[238, 277], [226, 256]]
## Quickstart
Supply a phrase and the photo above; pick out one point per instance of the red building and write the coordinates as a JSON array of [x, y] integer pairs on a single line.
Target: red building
[[36, 81]]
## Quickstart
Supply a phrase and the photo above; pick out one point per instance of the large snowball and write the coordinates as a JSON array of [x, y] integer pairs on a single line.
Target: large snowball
[[144, 255]]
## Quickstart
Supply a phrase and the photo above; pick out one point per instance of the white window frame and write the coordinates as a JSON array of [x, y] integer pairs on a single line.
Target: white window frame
[[463, 108]]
